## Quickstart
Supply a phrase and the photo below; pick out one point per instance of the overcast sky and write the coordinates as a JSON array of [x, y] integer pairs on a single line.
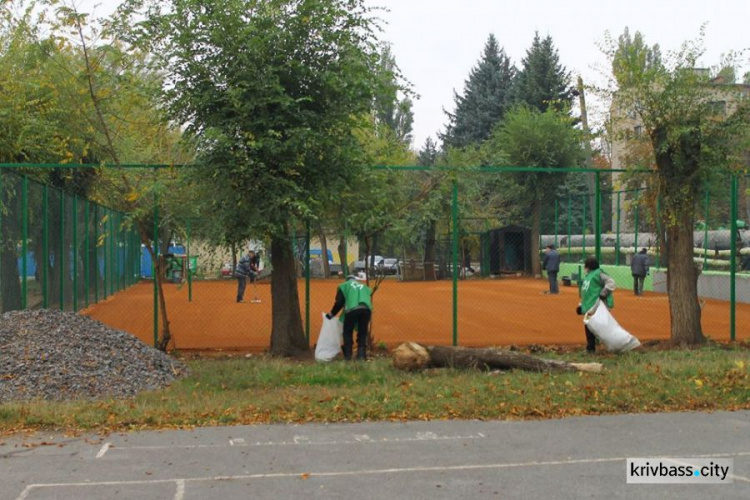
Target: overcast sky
[[437, 42]]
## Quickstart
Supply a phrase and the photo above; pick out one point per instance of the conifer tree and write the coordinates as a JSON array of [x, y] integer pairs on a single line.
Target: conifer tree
[[487, 96], [542, 81]]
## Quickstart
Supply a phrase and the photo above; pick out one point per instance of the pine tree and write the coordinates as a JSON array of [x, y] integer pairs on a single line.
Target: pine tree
[[428, 154], [542, 82], [487, 96]]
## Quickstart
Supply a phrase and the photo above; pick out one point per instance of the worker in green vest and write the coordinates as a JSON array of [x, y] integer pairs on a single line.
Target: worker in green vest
[[596, 286], [355, 298]]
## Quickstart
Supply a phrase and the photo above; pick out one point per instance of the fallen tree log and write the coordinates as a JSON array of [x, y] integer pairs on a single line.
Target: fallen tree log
[[413, 356]]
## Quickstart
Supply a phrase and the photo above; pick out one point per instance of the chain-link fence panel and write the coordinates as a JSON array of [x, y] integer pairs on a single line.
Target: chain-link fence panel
[[13, 271]]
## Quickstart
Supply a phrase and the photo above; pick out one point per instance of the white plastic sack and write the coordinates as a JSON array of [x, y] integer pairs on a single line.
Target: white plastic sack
[[606, 328], [329, 340]]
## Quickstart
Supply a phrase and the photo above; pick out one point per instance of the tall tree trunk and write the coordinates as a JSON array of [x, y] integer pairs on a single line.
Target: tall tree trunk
[[679, 195], [324, 252], [166, 334], [744, 208], [682, 283], [287, 336], [343, 256], [429, 242], [536, 227]]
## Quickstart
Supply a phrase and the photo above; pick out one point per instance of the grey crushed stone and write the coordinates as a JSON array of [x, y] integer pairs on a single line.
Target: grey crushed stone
[[55, 355]]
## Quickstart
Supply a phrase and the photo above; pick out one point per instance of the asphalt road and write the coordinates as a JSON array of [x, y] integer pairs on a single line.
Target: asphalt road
[[572, 458]]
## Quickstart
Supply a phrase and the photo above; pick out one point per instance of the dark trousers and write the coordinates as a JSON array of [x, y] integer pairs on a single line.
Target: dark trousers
[[360, 318], [552, 277], [241, 284], [590, 340], [638, 284]]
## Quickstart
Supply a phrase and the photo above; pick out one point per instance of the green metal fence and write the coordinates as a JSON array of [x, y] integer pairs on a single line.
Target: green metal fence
[[59, 250], [468, 245]]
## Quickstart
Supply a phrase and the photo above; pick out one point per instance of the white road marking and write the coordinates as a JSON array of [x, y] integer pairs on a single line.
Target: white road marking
[[103, 450], [26, 491], [283, 475], [179, 494], [305, 440], [362, 438]]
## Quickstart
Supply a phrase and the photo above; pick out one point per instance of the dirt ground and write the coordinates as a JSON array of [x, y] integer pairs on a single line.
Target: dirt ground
[[490, 312]]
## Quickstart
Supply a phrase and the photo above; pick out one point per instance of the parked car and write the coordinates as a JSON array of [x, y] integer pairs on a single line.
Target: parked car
[[226, 271], [359, 265], [389, 266]]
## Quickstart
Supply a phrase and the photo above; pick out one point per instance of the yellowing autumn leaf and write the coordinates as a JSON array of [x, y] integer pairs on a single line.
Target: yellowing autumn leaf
[[698, 382]]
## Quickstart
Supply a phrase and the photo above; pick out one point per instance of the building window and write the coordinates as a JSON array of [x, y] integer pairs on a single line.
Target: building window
[[638, 130]]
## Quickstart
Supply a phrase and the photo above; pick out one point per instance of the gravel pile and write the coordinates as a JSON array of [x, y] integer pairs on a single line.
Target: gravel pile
[[56, 355]]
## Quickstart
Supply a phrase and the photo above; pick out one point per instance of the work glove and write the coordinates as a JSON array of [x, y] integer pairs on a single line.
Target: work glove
[[328, 316]]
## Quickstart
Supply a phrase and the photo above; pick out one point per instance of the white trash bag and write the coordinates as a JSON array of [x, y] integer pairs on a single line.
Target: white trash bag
[[606, 328], [329, 340]]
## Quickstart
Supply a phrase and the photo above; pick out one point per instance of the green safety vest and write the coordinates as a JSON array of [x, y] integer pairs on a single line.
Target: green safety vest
[[590, 290], [355, 293]]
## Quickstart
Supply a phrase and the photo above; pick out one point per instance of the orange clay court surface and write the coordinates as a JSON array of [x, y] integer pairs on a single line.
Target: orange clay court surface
[[490, 312]]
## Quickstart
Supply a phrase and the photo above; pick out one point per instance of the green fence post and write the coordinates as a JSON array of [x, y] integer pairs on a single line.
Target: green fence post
[[658, 231], [617, 240], [96, 253], [45, 245], [454, 210], [345, 264], [583, 226], [112, 253], [115, 252], [570, 220], [154, 266], [635, 241], [86, 252], [75, 252], [187, 264], [556, 203], [307, 281], [105, 252], [733, 261], [598, 221], [705, 230], [24, 240], [60, 260]]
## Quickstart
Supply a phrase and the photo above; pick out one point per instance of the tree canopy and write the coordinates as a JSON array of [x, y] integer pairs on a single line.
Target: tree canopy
[[486, 97], [542, 81], [690, 143]]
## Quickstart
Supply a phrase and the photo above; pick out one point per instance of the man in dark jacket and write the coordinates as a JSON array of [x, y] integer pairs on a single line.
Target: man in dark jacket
[[639, 269], [247, 267], [551, 264]]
